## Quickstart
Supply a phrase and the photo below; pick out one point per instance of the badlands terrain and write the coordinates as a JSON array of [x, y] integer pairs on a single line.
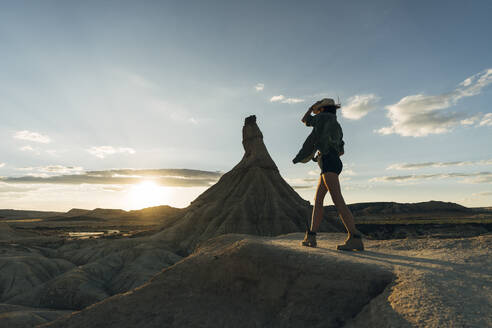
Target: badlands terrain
[[232, 259]]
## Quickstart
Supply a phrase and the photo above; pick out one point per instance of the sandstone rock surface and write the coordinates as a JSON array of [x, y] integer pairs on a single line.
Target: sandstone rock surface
[[42, 280], [14, 316], [248, 281], [244, 281]]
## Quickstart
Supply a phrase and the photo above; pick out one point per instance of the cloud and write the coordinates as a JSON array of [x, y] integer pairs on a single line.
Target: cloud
[[478, 119], [486, 120], [412, 166], [26, 148], [471, 120], [183, 116], [283, 100], [55, 169], [484, 177], [348, 172], [164, 177], [277, 98], [103, 151], [359, 105], [2, 165], [113, 188], [482, 194], [259, 87], [420, 115], [31, 136], [304, 183], [304, 187], [292, 101], [477, 177], [9, 188]]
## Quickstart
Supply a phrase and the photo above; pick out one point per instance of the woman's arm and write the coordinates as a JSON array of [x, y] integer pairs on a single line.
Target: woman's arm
[[308, 113]]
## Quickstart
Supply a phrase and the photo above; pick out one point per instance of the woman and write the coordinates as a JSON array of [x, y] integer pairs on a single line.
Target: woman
[[328, 141]]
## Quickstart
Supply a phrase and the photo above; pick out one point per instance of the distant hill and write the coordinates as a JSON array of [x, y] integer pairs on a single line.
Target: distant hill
[[25, 214], [107, 214], [379, 208], [156, 211], [98, 214], [361, 209], [103, 213]]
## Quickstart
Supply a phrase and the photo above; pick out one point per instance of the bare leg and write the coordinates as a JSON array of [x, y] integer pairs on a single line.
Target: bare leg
[[333, 185], [318, 205]]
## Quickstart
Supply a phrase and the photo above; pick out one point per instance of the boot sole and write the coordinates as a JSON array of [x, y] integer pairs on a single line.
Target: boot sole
[[349, 249]]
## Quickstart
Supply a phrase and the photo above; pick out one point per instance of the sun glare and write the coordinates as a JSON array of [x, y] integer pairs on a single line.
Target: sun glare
[[148, 193]]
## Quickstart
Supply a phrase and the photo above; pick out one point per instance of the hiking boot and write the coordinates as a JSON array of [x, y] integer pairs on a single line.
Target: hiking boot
[[353, 243], [309, 239]]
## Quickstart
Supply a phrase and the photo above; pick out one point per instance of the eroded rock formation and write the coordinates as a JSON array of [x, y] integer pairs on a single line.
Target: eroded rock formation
[[243, 281]]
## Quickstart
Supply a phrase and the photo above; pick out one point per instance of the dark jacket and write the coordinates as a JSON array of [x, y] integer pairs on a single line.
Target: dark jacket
[[326, 136], [307, 151]]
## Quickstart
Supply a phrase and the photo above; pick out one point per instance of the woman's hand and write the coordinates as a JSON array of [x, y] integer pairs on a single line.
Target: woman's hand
[[312, 106]]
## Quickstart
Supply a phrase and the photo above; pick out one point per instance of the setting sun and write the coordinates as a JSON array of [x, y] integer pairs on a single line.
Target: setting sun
[[147, 193]]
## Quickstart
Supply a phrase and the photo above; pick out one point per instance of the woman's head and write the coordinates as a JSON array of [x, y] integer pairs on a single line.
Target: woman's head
[[325, 105], [326, 109]]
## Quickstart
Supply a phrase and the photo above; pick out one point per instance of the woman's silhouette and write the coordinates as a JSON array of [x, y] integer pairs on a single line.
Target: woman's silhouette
[[327, 139]]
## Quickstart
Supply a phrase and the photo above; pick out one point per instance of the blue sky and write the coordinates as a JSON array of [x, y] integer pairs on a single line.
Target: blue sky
[[97, 86]]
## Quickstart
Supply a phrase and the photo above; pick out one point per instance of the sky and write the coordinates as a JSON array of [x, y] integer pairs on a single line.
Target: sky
[[129, 104]]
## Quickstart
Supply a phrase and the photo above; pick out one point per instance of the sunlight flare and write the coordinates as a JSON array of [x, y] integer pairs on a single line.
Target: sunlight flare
[[148, 193]]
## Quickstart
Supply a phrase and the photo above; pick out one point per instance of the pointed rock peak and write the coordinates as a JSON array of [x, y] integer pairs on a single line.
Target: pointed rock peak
[[255, 151]]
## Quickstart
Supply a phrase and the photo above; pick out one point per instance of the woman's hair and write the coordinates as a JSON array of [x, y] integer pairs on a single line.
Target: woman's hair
[[329, 109]]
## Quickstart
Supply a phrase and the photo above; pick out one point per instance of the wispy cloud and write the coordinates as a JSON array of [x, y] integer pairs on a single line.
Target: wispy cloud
[[292, 100], [413, 166], [471, 120], [476, 177], [484, 177], [26, 148], [277, 98], [183, 116], [10, 188], [482, 194], [304, 183], [103, 151], [420, 115], [2, 165], [359, 105], [31, 136], [486, 120], [259, 87], [164, 177], [304, 187], [55, 169], [282, 99], [348, 172]]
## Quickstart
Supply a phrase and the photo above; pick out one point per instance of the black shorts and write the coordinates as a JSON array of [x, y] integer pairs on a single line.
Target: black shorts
[[330, 162]]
